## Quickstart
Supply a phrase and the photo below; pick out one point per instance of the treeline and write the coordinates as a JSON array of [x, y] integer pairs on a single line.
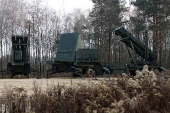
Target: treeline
[[96, 27], [46, 25], [152, 15], [156, 13]]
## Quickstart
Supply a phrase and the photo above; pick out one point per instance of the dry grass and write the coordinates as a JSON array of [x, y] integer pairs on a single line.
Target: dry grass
[[115, 96]]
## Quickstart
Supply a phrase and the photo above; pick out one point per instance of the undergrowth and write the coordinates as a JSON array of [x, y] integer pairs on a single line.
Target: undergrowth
[[125, 94]]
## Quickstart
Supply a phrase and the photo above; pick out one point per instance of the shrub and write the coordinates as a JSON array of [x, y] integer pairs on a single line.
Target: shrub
[[146, 92]]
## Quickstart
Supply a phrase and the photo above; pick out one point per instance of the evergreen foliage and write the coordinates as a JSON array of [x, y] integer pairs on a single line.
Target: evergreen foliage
[[107, 15], [157, 15]]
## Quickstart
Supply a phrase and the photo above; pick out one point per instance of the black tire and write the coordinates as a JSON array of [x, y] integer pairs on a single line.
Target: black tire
[[132, 72], [90, 73], [27, 75], [73, 75], [11, 75]]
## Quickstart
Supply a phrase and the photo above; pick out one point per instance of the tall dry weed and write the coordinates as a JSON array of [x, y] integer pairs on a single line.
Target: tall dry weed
[[116, 96]]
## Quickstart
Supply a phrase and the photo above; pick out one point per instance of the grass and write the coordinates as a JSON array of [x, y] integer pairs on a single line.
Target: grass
[[103, 97]]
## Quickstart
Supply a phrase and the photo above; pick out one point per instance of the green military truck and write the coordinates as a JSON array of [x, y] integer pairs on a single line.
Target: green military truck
[[20, 56], [72, 57]]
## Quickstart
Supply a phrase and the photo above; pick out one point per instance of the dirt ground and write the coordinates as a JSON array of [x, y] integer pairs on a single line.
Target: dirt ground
[[45, 83]]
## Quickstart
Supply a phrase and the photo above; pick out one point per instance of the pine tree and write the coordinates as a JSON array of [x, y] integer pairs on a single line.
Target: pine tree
[[107, 16], [157, 13]]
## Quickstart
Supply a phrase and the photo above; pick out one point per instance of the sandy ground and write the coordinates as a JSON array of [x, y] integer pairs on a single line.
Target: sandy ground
[[44, 83]]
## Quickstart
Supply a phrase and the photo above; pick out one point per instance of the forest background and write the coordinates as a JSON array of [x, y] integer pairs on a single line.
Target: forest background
[[96, 27]]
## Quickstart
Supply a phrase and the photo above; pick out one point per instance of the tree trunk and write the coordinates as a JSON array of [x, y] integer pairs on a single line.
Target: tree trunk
[[33, 45], [1, 48], [154, 35], [101, 33], [160, 33], [110, 35]]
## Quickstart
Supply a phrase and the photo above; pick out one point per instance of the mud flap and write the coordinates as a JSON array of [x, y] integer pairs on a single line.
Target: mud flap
[[54, 68], [9, 68], [26, 68]]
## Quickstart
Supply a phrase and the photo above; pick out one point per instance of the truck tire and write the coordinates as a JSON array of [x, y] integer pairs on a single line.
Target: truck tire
[[11, 75], [90, 73], [27, 75], [73, 75]]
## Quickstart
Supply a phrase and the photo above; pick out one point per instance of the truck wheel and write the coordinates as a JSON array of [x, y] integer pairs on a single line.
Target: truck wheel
[[132, 72], [28, 75], [11, 75], [90, 73], [73, 75]]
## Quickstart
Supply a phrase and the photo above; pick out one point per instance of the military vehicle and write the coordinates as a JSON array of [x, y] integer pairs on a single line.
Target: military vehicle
[[20, 56], [143, 55], [115, 68], [72, 57]]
